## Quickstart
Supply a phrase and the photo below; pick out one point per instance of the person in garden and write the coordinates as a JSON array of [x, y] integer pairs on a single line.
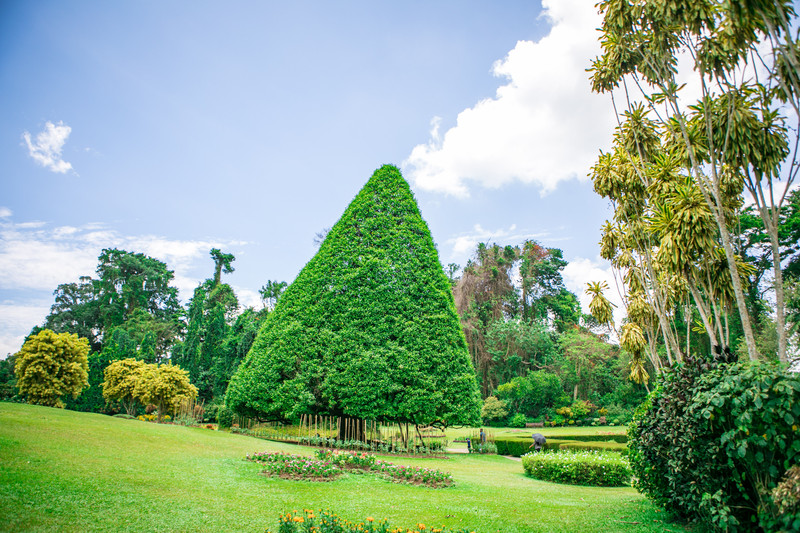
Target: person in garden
[[539, 441], [483, 437]]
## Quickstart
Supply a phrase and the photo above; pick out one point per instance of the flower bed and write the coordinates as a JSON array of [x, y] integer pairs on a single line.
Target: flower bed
[[599, 469], [413, 474], [289, 466], [329, 464], [352, 460], [309, 521]]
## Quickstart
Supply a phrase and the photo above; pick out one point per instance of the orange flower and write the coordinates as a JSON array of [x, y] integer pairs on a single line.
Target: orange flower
[[299, 519], [370, 519]]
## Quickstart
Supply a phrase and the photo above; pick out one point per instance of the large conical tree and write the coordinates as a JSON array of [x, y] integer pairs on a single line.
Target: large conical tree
[[368, 329]]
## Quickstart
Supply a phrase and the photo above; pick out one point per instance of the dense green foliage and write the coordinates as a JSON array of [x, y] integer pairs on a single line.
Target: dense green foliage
[[164, 386], [119, 383], [602, 469], [714, 440], [50, 366], [519, 446], [368, 328]]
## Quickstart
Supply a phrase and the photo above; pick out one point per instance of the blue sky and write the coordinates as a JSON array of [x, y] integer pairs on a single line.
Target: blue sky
[[172, 127]]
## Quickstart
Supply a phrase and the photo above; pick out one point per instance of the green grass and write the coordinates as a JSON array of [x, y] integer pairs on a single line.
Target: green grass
[[68, 471]]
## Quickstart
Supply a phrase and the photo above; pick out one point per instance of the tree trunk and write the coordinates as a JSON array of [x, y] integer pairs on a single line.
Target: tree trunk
[[351, 428]]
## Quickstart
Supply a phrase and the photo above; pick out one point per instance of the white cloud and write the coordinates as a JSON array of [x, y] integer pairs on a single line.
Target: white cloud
[[543, 126], [580, 271], [5, 212], [16, 321], [35, 257], [46, 149]]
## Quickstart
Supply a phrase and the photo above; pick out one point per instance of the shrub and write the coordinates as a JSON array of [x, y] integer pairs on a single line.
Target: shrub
[[578, 468], [50, 366], [786, 497], [622, 439], [518, 421], [596, 446], [493, 409], [515, 447], [224, 417], [713, 441]]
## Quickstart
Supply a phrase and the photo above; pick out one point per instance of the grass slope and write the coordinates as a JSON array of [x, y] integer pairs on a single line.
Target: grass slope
[[69, 471]]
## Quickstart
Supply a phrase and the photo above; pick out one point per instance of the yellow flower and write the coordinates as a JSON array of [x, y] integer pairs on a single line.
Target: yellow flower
[[421, 527]]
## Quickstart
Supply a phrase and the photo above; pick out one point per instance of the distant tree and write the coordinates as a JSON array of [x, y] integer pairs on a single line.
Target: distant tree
[[271, 292], [451, 270], [76, 311], [50, 366], [8, 383], [164, 386], [532, 393], [368, 329], [544, 297], [130, 281], [131, 288], [485, 294], [211, 310], [583, 351], [120, 382], [222, 263], [516, 347]]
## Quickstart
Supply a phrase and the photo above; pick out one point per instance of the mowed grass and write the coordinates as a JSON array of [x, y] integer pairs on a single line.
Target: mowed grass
[[68, 471]]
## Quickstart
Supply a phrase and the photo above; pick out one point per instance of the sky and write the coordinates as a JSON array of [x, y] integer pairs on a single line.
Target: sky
[[170, 128]]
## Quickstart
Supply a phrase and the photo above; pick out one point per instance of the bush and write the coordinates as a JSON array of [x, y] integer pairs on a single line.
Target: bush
[[493, 409], [578, 468], [515, 447], [622, 439], [224, 417], [713, 441], [595, 446], [210, 413], [518, 421]]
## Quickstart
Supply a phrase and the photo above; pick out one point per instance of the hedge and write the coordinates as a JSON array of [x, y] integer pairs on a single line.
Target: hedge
[[596, 446], [518, 446], [578, 468], [622, 439]]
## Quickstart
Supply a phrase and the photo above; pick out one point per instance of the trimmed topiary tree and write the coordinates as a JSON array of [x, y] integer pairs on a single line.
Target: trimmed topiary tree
[[368, 329]]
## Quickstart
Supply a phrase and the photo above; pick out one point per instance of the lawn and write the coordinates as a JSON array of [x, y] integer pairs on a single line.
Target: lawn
[[68, 471]]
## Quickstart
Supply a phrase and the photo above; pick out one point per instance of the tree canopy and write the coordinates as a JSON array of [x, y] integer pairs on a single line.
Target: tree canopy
[[51, 365], [368, 329]]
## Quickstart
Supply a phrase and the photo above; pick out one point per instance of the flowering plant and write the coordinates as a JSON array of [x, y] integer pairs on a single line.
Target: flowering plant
[[325, 521]]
